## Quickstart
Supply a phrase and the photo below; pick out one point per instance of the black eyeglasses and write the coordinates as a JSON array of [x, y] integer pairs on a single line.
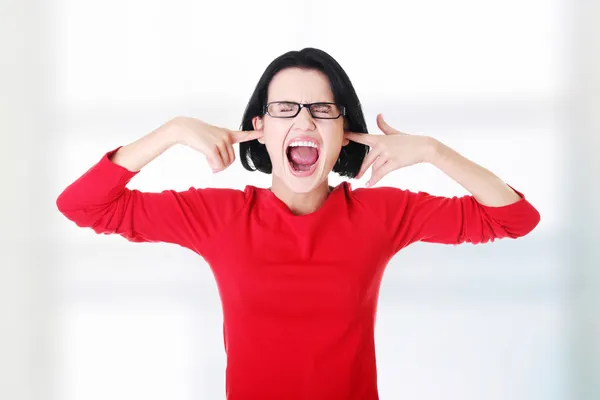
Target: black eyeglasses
[[289, 109]]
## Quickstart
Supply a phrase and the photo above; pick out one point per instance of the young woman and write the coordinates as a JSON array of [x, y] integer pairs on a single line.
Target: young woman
[[298, 265]]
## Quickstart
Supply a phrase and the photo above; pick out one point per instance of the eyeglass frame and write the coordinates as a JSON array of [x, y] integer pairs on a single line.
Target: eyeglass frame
[[307, 106]]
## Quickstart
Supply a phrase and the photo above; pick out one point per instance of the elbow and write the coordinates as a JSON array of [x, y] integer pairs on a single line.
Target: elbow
[[64, 203], [106, 218], [512, 221], [69, 207], [533, 221], [527, 223], [75, 211]]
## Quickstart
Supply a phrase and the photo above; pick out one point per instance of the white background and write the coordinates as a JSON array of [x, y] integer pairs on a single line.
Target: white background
[[508, 84]]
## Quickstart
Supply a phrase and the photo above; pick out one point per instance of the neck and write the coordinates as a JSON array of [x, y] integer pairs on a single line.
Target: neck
[[301, 203]]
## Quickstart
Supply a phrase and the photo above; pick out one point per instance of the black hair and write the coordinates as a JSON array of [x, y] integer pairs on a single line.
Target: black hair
[[253, 154]]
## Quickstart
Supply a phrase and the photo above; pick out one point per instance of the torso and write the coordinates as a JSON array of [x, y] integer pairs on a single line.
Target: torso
[[299, 294]]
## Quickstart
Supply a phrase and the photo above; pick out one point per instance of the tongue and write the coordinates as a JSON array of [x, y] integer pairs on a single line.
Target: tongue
[[303, 155]]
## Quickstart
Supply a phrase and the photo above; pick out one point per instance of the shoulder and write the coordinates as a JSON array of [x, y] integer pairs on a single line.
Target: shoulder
[[367, 196], [388, 201], [380, 201], [226, 200], [223, 193]]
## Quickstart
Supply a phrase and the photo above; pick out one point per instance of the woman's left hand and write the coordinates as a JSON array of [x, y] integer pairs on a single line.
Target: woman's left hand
[[391, 151]]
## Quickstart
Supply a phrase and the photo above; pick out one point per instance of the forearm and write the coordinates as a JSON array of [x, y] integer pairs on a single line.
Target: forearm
[[487, 188], [138, 154]]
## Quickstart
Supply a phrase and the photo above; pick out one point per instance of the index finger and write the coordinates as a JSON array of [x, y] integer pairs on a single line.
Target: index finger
[[363, 138], [245, 136]]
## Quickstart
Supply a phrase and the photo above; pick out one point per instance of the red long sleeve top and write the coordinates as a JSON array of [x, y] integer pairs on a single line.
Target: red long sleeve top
[[299, 293]]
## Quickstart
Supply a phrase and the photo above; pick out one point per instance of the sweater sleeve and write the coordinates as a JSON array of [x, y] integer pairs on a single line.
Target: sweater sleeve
[[100, 200], [410, 217]]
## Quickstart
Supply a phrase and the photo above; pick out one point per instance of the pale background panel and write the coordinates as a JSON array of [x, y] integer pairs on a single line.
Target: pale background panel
[[513, 85]]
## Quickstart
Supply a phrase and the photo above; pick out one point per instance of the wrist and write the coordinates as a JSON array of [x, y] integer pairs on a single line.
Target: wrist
[[171, 132], [431, 150]]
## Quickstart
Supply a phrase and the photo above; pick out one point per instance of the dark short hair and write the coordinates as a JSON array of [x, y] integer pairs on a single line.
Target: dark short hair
[[253, 154]]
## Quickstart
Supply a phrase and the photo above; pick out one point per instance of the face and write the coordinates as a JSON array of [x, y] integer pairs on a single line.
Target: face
[[303, 138]]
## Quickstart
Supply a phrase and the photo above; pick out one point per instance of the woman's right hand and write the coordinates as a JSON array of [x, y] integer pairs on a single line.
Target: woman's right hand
[[214, 142]]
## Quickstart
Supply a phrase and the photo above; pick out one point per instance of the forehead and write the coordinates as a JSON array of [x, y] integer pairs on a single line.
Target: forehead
[[301, 85]]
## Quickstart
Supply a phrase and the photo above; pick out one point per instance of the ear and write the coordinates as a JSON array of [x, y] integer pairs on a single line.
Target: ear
[[345, 141], [257, 123]]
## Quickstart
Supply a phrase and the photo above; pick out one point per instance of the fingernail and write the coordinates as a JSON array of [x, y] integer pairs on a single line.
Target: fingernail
[[368, 183]]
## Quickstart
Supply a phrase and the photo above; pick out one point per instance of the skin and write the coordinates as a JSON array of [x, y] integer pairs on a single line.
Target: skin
[[390, 151], [303, 195], [394, 150]]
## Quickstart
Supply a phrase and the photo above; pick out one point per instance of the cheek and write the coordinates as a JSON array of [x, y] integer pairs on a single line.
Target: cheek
[[275, 128], [333, 139], [273, 140]]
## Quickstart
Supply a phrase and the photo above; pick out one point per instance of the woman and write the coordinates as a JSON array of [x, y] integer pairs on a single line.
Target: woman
[[299, 265]]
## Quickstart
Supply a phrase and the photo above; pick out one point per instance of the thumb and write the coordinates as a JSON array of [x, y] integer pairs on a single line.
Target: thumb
[[245, 136], [385, 128]]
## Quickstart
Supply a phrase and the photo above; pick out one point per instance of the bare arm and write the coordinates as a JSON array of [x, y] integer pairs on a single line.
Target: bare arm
[[138, 154], [396, 149], [487, 188], [493, 210], [214, 142], [100, 199]]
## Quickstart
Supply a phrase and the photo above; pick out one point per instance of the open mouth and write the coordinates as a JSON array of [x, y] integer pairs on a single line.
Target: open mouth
[[303, 156]]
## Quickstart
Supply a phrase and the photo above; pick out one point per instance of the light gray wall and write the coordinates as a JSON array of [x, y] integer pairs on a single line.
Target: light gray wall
[[30, 260]]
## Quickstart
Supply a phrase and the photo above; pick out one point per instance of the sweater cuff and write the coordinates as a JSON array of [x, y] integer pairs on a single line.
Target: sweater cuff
[[106, 162], [521, 215], [109, 174], [100, 184]]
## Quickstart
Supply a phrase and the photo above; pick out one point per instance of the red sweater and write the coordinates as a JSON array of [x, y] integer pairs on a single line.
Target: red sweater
[[299, 293]]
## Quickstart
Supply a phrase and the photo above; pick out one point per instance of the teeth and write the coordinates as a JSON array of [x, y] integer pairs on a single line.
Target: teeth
[[298, 143]]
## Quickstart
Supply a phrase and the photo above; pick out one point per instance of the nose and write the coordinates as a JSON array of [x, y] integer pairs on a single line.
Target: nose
[[304, 120]]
